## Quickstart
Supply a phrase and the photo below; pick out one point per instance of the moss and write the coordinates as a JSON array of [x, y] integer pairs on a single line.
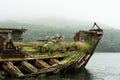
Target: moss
[[59, 47], [2, 77], [29, 50]]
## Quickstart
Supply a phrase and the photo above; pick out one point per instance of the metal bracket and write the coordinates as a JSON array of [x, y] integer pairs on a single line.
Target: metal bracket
[[95, 25]]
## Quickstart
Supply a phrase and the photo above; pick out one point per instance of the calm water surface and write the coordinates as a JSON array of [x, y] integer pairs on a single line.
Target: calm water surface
[[102, 66]]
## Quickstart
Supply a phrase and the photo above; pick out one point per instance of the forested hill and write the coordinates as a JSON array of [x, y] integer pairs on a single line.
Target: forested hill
[[39, 30]]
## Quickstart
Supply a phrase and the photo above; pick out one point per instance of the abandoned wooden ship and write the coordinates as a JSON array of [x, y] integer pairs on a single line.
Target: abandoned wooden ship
[[61, 56]]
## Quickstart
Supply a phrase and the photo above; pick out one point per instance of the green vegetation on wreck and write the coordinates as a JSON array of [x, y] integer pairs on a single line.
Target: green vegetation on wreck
[[54, 48]]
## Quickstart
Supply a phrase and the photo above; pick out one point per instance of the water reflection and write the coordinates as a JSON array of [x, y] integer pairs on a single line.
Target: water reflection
[[79, 75]]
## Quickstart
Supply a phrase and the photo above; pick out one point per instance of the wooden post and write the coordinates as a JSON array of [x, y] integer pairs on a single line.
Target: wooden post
[[9, 35], [1, 43]]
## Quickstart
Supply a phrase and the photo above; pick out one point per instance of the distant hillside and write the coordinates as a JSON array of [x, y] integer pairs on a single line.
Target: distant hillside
[[38, 30]]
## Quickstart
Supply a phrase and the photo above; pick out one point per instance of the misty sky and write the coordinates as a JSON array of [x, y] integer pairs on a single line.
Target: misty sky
[[103, 11]]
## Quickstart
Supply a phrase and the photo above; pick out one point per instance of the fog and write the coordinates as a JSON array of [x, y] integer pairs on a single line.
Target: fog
[[102, 11]]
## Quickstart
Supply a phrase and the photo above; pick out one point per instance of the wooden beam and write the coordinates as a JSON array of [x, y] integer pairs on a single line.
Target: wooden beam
[[5, 31], [53, 61], [41, 64], [28, 67], [11, 69]]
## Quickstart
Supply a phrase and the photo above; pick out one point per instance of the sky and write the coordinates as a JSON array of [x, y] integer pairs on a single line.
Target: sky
[[103, 11]]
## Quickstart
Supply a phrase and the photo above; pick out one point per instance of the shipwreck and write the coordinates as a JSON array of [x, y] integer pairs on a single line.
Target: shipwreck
[[55, 55]]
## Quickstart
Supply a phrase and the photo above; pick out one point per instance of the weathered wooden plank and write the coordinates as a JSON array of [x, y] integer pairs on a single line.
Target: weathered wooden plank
[[87, 57], [34, 58], [53, 61], [41, 64], [81, 58], [3, 31], [11, 69], [28, 67], [81, 64]]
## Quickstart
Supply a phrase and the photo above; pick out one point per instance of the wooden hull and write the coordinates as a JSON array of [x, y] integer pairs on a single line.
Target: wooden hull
[[35, 66]]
